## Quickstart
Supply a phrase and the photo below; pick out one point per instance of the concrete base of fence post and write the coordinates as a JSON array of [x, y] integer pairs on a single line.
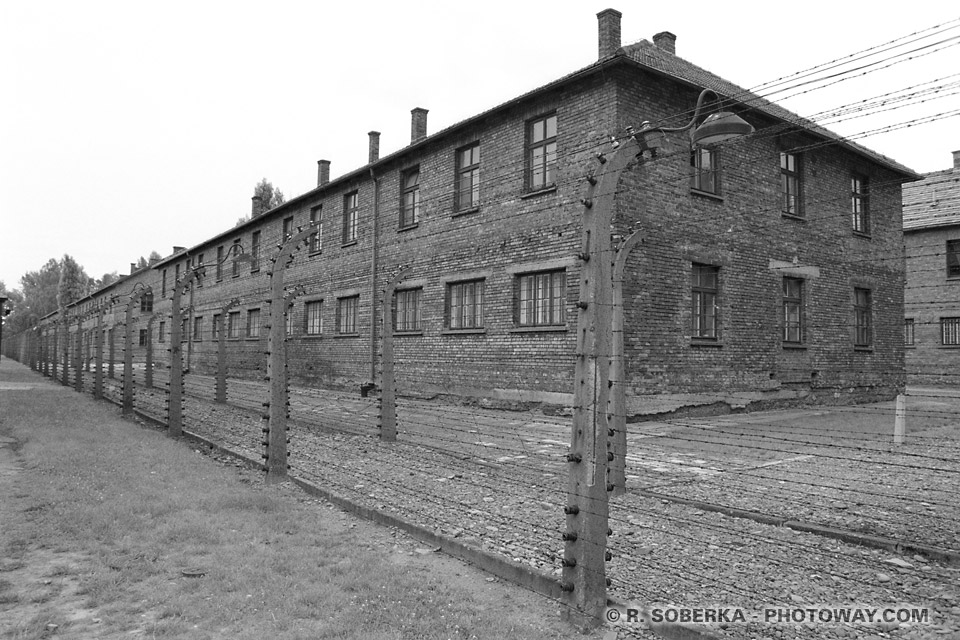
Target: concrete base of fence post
[[900, 421]]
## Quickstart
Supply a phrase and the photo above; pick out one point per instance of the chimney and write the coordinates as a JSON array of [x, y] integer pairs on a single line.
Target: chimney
[[133, 268], [179, 249], [256, 206], [374, 146], [666, 41], [418, 124], [609, 24], [956, 160], [323, 172]]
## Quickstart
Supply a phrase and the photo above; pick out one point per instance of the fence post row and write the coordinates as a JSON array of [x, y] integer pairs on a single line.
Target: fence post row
[[275, 454]]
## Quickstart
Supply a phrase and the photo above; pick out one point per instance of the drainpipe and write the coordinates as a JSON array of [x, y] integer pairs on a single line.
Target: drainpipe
[[374, 259]]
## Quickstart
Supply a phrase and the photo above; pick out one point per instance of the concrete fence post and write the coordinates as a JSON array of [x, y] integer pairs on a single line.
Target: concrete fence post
[[900, 420], [220, 395], [388, 382]]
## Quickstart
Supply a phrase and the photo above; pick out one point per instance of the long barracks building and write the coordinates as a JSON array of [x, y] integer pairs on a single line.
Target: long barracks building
[[770, 267]]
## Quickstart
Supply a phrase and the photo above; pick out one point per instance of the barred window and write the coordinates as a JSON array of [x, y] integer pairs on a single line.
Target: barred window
[[406, 310], [465, 305], [347, 315], [542, 299], [313, 317], [950, 331], [908, 334]]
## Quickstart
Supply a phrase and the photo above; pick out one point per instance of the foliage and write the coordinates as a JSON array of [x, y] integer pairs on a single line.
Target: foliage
[[270, 197], [74, 282]]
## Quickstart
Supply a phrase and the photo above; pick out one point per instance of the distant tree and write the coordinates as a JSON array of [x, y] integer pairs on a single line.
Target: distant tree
[[106, 280], [154, 257], [142, 263], [39, 289], [270, 197], [74, 282]]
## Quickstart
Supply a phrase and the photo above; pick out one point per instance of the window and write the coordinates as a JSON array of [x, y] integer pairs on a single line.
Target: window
[[287, 228], [200, 272], [705, 170], [406, 310], [143, 337], [860, 204], [542, 299], [347, 315], [253, 323], [793, 310], [704, 283], [183, 330], [863, 317], [465, 305], [542, 152], [288, 320], [146, 303], [215, 327], [163, 283], [908, 337], [236, 258], [351, 211], [233, 324], [313, 317], [219, 263], [953, 258], [197, 328], [468, 177], [176, 276], [316, 220], [161, 333], [410, 198], [950, 331], [255, 251], [790, 184]]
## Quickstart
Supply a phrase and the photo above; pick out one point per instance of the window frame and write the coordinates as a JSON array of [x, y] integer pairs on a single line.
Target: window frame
[[315, 243], [793, 312], [791, 184], [704, 303], [197, 329], [457, 307], [860, 203], [235, 265], [146, 302], [950, 331], [533, 310], [219, 274], [469, 174], [863, 317], [351, 218], [541, 142], [409, 191], [233, 325], [909, 332], [286, 230], [142, 338], [215, 326], [952, 252], [309, 317], [161, 331], [347, 323], [408, 310], [253, 328], [699, 175], [255, 251]]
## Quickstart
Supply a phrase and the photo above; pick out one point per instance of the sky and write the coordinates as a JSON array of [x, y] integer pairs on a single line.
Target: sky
[[128, 127]]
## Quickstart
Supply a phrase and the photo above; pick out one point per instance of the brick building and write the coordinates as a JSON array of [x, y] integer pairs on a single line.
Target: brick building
[[931, 234], [764, 270]]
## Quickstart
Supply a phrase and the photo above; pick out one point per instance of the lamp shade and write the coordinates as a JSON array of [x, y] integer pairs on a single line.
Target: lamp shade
[[721, 126]]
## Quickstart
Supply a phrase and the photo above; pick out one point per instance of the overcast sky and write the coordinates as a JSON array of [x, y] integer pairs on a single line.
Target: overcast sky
[[128, 126]]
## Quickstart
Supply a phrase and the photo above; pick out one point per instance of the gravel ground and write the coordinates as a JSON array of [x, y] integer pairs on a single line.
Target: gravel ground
[[496, 481]]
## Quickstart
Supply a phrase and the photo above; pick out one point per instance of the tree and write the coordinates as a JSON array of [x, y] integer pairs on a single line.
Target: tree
[[74, 282], [106, 280], [39, 289], [270, 197], [154, 257]]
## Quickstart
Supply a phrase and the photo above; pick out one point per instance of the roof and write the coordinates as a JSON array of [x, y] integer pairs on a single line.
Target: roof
[[932, 202], [649, 55], [643, 53]]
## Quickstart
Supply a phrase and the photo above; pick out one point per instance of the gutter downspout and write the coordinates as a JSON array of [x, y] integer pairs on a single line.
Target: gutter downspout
[[374, 263]]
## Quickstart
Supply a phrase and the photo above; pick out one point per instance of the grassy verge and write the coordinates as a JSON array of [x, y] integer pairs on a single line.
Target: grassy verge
[[112, 530]]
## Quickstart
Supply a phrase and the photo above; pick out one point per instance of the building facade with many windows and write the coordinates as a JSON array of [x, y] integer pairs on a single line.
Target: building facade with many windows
[[764, 267], [931, 225]]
